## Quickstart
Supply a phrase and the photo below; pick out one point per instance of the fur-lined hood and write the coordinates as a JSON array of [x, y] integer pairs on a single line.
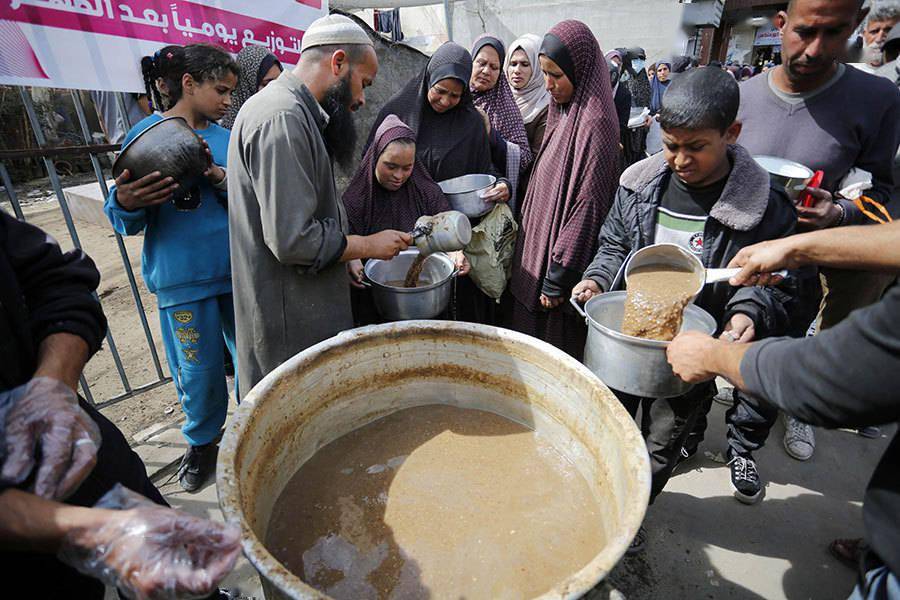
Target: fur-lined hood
[[744, 200]]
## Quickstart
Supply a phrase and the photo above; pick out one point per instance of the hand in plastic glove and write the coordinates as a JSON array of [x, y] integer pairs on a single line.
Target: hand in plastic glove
[[45, 429], [152, 552]]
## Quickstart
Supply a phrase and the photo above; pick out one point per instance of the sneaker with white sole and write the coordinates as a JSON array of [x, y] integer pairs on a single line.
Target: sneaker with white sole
[[799, 439], [871, 432], [745, 479]]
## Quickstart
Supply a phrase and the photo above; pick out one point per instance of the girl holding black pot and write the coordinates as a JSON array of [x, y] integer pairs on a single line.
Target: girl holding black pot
[[185, 258]]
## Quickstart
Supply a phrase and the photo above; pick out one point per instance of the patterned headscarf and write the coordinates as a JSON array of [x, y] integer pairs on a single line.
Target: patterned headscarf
[[575, 178], [533, 98], [255, 62], [371, 208], [499, 104]]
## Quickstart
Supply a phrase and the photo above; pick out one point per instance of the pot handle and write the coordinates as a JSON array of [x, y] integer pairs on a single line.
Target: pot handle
[[578, 308]]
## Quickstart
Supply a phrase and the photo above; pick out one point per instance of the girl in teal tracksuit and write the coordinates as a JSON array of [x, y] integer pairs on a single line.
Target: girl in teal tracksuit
[[186, 257]]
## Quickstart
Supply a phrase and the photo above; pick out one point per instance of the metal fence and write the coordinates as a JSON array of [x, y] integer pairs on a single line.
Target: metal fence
[[47, 155]]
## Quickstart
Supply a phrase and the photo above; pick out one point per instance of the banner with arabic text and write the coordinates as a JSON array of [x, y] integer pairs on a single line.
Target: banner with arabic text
[[98, 44]]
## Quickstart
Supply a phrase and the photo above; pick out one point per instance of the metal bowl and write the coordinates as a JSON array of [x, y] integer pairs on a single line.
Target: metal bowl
[[790, 175], [671, 255], [171, 147], [397, 303], [464, 194]]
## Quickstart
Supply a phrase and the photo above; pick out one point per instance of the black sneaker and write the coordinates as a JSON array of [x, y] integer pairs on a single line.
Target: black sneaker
[[745, 480], [638, 543], [198, 464]]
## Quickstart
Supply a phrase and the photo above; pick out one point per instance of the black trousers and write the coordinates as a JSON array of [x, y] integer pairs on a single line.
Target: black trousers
[[33, 575], [666, 424]]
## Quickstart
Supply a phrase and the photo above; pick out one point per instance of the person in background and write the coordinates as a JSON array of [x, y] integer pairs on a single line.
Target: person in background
[[289, 234], [658, 86], [112, 121], [185, 255], [510, 149], [808, 378], [571, 188], [452, 140], [390, 190], [621, 94], [881, 19], [523, 70], [708, 196], [638, 84], [798, 111], [259, 68], [59, 456]]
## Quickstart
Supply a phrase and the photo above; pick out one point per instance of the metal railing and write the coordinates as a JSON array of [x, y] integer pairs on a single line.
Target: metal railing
[[47, 153]]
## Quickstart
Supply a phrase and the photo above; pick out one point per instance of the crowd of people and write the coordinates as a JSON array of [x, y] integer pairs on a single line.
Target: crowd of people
[[596, 155]]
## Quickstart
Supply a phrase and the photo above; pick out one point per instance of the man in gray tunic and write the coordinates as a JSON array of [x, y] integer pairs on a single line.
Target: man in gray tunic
[[288, 227]]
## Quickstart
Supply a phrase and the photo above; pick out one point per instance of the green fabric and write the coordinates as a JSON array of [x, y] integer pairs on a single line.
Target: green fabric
[[491, 251]]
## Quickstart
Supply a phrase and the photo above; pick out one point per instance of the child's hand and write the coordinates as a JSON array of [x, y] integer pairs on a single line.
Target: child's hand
[[149, 190], [550, 303], [740, 329], [586, 290], [356, 272], [214, 174]]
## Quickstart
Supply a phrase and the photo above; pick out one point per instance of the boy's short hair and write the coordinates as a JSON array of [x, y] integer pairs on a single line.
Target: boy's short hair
[[701, 99]]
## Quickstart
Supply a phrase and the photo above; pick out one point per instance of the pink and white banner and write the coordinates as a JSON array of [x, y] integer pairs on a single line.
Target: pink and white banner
[[98, 44]]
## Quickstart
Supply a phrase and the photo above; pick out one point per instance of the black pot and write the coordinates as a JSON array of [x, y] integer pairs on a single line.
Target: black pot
[[171, 147]]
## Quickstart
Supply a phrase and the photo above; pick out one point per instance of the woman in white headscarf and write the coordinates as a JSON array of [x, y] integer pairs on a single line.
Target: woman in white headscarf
[[527, 82]]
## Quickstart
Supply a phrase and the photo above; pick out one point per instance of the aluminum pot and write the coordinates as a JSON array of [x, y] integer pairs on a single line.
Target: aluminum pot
[[790, 175], [629, 364], [402, 304], [364, 374], [464, 194], [171, 147]]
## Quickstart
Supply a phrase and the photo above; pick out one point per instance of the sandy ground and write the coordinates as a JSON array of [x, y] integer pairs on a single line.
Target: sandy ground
[[147, 408]]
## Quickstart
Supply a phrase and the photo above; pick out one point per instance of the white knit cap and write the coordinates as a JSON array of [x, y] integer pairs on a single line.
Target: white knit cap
[[334, 30]]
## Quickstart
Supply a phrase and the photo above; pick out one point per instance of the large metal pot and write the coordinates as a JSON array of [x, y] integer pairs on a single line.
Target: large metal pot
[[364, 374], [629, 364], [397, 303], [464, 194], [171, 147]]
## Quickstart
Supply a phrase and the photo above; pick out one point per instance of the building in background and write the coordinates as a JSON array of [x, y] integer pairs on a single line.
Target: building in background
[[746, 34]]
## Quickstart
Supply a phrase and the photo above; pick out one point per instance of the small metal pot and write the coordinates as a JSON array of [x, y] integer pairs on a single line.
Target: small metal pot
[[629, 364], [171, 147], [791, 175], [402, 304], [464, 194]]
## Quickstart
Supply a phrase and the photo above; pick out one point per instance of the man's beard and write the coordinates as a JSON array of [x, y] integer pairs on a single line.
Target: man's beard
[[340, 134]]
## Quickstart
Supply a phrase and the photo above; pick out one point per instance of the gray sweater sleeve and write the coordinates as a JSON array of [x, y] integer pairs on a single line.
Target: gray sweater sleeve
[[843, 377]]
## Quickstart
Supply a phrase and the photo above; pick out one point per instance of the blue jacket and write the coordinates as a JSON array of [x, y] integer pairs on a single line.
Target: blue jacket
[[186, 256]]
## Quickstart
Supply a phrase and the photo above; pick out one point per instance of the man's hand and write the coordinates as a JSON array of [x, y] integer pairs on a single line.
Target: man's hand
[[690, 356], [498, 193], [356, 271], [759, 262], [386, 244], [549, 303], [150, 551], [46, 430], [739, 329], [823, 213], [150, 190], [586, 290], [461, 262]]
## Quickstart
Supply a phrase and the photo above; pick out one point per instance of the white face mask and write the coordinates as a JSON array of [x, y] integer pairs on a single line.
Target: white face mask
[[638, 65]]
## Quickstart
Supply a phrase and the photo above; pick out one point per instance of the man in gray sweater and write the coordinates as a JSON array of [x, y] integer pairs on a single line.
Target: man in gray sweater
[[844, 377], [830, 117]]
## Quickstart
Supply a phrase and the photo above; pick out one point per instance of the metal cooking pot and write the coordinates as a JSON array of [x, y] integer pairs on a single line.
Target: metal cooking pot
[[793, 176], [629, 364], [403, 304], [464, 194], [171, 147]]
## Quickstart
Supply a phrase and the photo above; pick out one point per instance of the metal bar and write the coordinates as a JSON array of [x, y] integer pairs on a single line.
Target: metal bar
[[123, 251], [86, 389], [67, 215], [133, 393], [123, 110], [55, 151], [11, 192], [448, 17]]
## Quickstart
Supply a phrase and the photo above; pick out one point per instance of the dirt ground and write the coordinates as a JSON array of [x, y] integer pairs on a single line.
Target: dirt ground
[[148, 408]]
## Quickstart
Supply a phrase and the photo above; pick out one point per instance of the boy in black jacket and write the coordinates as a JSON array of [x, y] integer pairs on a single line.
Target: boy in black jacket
[[709, 196]]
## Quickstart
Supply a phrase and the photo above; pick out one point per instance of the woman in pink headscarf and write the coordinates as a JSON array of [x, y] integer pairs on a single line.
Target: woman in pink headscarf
[[571, 189]]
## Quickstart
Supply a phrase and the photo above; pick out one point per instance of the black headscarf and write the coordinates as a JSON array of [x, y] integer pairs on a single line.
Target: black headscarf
[[449, 144], [555, 50]]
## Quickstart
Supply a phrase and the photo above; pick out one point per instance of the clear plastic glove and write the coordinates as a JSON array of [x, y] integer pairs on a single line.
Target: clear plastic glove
[[45, 430], [152, 552]]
